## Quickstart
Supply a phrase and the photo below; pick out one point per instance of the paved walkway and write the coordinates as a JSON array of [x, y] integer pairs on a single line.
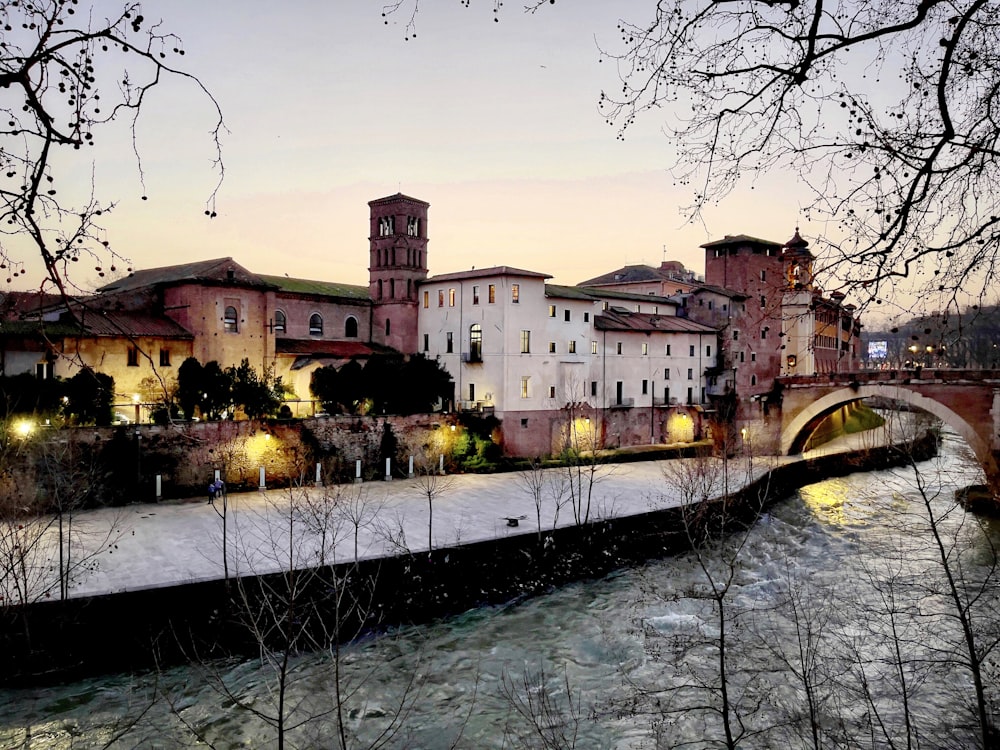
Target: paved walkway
[[143, 546]]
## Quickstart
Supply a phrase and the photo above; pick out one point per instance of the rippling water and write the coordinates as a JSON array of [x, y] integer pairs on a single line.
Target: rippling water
[[822, 589]]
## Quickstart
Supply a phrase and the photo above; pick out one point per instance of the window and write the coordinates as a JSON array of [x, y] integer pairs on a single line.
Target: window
[[133, 356], [593, 387], [742, 357], [645, 349], [668, 350], [724, 307], [451, 297], [515, 293], [763, 275], [708, 350], [392, 289], [386, 226], [690, 374], [753, 380], [475, 295], [571, 346], [736, 335], [552, 347], [43, 370], [449, 342], [475, 343], [230, 323], [380, 288], [691, 350], [710, 304], [763, 333], [645, 387], [552, 391], [524, 422], [440, 297], [763, 302], [666, 395], [315, 325], [351, 327], [593, 347], [566, 315], [164, 358], [388, 326], [753, 356], [586, 317], [666, 373], [524, 386], [280, 322], [492, 292], [619, 392], [605, 305], [472, 391], [412, 226], [552, 311], [427, 342], [619, 347], [427, 299], [690, 395], [525, 342]]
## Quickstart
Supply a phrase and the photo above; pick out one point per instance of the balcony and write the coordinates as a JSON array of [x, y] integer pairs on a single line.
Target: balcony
[[480, 407], [625, 403], [472, 358]]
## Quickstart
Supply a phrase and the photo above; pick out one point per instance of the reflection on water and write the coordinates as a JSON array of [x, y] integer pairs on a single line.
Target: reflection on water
[[821, 590]]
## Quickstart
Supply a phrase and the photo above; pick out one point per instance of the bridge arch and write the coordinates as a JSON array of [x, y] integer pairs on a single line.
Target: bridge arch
[[841, 396]]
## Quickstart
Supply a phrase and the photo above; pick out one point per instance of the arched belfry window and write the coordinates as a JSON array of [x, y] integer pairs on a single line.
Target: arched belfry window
[[230, 321], [279, 321], [315, 325], [351, 327]]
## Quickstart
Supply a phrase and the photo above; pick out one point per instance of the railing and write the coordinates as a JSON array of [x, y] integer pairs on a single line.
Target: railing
[[625, 403], [483, 407]]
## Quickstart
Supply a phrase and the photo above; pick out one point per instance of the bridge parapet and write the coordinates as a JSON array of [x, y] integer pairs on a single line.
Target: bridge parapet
[[893, 377]]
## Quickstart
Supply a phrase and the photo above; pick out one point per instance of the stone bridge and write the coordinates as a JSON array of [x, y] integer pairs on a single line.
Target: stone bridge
[[966, 400]]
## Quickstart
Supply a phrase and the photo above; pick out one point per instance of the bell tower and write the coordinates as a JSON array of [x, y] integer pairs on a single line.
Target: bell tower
[[397, 264]]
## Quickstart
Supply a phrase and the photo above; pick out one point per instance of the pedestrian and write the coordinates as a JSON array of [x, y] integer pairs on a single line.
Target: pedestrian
[[211, 493], [220, 488]]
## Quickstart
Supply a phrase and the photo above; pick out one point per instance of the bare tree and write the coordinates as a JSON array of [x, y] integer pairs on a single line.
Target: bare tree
[[57, 69], [431, 484]]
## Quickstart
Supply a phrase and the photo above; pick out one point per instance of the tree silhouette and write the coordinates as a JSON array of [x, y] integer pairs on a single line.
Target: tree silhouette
[[65, 74]]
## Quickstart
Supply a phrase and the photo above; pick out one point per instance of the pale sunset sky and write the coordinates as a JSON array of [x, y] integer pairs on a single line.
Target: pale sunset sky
[[494, 124]]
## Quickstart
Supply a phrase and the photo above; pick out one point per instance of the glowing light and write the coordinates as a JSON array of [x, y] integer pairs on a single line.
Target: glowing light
[[24, 428]]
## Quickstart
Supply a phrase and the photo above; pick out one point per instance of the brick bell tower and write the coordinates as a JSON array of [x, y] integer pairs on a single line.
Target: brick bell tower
[[397, 263]]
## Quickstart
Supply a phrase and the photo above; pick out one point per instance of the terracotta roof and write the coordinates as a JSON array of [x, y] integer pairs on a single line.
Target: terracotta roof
[[324, 349], [318, 288], [122, 323], [215, 271], [476, 273], [18, 304], [740, 239], [568, 292], [609, 294], [613, 320], [628, 275]]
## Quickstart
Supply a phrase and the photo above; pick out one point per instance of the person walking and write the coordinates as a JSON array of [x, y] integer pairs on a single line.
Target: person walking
[[211, 493]]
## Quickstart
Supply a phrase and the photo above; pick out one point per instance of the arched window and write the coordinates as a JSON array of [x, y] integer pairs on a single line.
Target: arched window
[[279, 321], [351, 327], [315, 325], [387, 327], [230, 322], [392, 289], [476, 343]]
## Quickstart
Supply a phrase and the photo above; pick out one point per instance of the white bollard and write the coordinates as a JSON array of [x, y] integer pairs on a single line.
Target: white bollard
[[159, 487], [441, 464], [388, 470], [319, 475], [262, 486], [357, 470], [410, 473]]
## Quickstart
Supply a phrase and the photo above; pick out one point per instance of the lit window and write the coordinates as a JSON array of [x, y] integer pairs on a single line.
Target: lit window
[[593, 347], [351, 327], [525, 342], [571, 347], [492, 293], [427, 299], [315, 325], [451, 297], [476, 343], [230, 322], [440, 297], [552, 347], [552, 311], [552, 391], [133, 357], [475, 295], [524, 386], [280, 322], [515, 293], [645, 349]]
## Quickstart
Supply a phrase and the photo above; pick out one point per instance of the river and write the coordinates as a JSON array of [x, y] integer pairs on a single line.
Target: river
[[834, 595]]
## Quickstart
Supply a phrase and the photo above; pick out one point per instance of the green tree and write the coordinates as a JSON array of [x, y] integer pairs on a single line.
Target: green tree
[[258, 395], [190, 376], [89, 396], [324, 384]]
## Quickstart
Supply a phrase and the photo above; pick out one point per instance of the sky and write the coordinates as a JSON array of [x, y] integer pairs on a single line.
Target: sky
[[328, 107]]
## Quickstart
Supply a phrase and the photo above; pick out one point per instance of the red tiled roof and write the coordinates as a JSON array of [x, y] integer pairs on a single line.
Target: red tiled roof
[[612, 320], [214, 271], [114, 323], [315, 348]]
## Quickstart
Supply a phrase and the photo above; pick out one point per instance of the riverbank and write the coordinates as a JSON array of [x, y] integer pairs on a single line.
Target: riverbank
[[160, 590]]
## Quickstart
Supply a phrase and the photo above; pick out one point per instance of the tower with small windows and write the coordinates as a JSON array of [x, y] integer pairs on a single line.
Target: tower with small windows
[[397, 264]]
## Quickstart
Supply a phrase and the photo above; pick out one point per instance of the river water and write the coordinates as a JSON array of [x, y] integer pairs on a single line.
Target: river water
[[834, 599]]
